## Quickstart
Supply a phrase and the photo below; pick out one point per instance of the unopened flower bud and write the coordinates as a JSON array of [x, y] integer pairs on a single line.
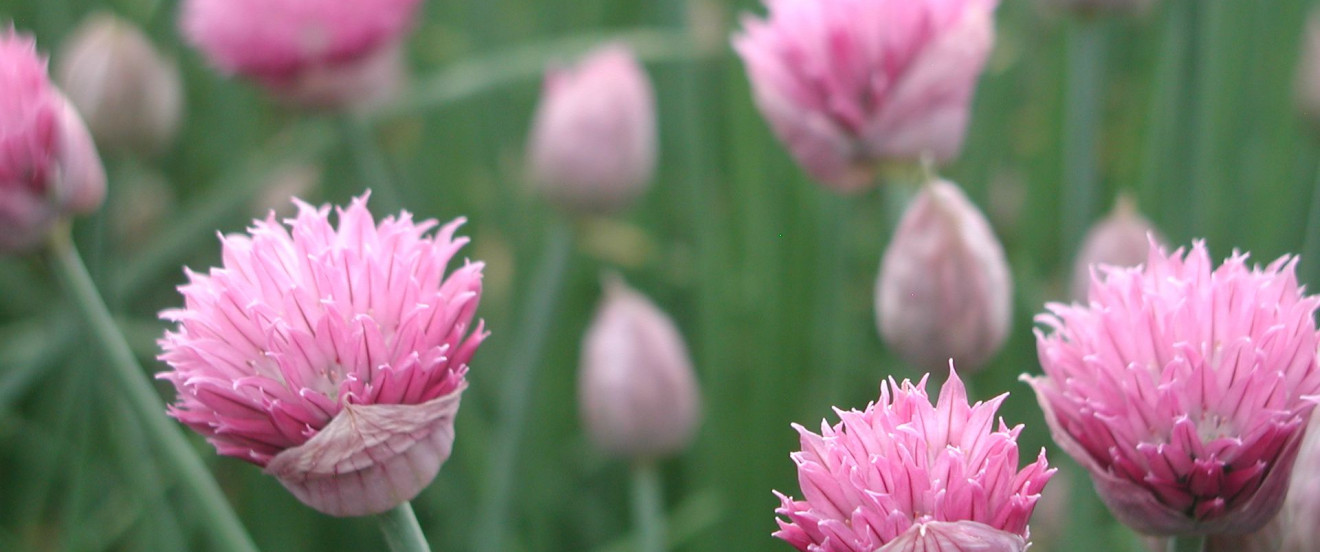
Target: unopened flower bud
[[592, 147], [1120, 239], [316, 54], [49, 167], [944, 289], [1307, 86], [637, 388], [1301, 509], [130, 96]]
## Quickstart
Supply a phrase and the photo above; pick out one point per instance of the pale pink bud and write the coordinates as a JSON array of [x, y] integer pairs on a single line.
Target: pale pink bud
[[321, 54], [851, 84], [906, 475], [49, 167], [130, 96], [1184, 389], [944, 289], [592, 147], [1122, 238], [332, 356], [1307, 85], [637, 388], [1301, 509]]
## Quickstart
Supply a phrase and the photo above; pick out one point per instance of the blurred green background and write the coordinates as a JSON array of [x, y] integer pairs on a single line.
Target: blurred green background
[[769, 276]]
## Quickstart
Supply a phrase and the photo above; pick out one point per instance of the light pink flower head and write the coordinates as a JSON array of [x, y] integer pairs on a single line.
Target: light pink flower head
[[850, 84], [319, 53], [333, 357], [48, 164], [1184, 389], [592, 147], [906, 475], [944, 289], [636, 385]]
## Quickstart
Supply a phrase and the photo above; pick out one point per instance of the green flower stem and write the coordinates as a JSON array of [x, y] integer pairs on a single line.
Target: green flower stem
[[532, 331], [1310, 261], [402, 532], [648, 507], [223, 524], [373, 167], [1085, 91], [1189, 543]]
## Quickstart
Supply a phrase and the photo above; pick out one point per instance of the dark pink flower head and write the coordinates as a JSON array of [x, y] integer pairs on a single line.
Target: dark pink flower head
[[334, 357], [1184, 389], [285, 43], [850, 84], [48, 164], [906, 475]]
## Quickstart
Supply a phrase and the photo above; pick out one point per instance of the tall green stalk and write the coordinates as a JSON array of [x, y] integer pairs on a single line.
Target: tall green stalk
[[648, 507], [226, 531], [1085, 94], [1189, 543], [402, 532], [528, 344]]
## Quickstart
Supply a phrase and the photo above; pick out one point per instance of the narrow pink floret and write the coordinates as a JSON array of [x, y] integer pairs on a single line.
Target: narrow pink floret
[[305, 317], [847, 84], [272, 39], [1184, 388], [905, 471]]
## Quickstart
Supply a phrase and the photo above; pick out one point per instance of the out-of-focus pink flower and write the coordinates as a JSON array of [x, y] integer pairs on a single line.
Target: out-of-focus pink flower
[[637, 388], [851, 84], [315, 53], [906, 475], [1122, 238], [1183, 389], [1297, 527], [592, 147], [49, 167], [333, 357], [944, 289]]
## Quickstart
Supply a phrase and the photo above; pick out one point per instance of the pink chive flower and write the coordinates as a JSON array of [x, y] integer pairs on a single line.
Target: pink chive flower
[[592, 147], [333, 357], [906, 475], [848, 85], [49, 167], [1183, 389], [315, 53]]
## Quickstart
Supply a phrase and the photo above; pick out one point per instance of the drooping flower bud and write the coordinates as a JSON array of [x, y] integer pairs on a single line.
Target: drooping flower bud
[[944, 289], [130, 95], [1122, 238], [317, 54], [636, 386], [49, 167], [332, 356], [849, 85], [592, 148]]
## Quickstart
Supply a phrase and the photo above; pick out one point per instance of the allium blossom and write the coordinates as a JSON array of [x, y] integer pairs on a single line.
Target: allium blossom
[[49, 167], [1183, 389], [636, 386], [592, 148], [333, 357], [851, 84], [906, 475], [944, 289], [317, 53]]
